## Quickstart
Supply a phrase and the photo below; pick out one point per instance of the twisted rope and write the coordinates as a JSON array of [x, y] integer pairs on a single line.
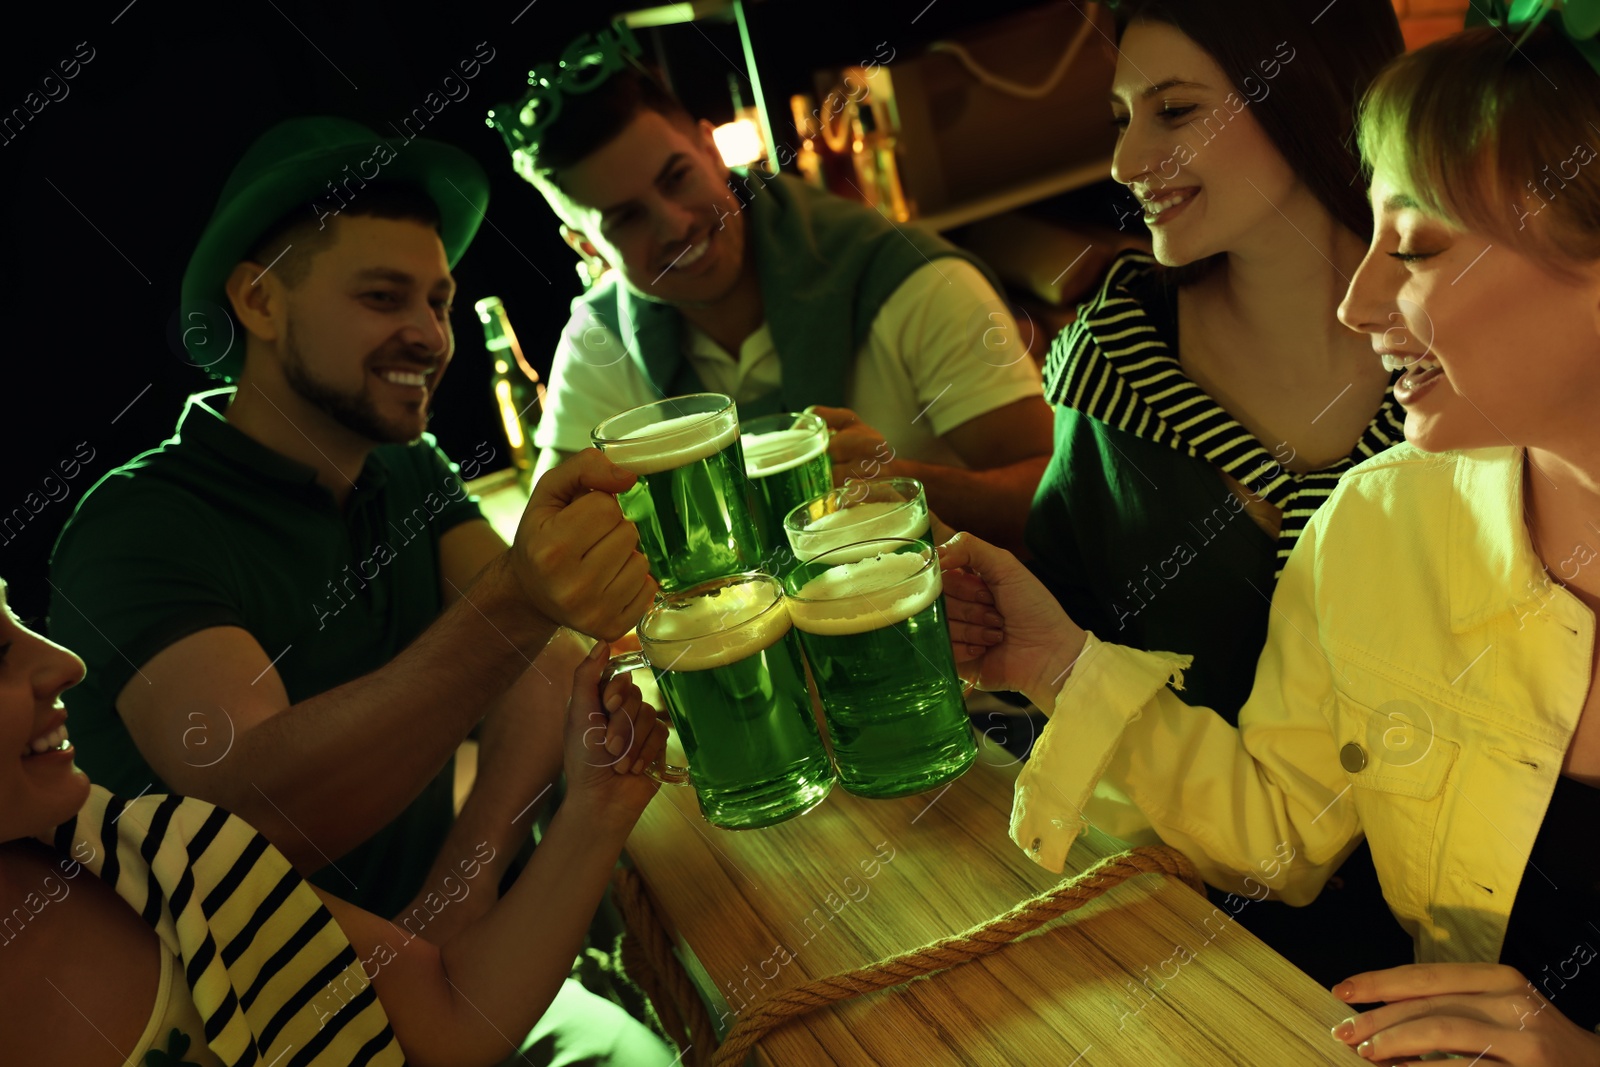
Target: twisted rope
[[952, 951], [648, 960], [947, 952]]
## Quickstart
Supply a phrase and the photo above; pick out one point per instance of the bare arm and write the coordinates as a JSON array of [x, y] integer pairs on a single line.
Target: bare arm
[[465, 552], [519, 759], [1006, 451], [470, 1000], [320, 776]]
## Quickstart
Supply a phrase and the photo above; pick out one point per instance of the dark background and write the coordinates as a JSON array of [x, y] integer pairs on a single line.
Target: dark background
[[108, 189]]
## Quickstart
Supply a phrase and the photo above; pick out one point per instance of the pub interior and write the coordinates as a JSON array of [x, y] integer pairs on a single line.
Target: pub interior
[[970, 533]]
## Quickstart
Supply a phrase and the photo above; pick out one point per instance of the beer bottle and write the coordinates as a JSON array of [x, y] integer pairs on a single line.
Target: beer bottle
[[518, 392]]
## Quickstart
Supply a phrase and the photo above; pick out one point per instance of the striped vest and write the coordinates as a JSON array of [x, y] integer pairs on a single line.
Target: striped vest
[[1112, 365]]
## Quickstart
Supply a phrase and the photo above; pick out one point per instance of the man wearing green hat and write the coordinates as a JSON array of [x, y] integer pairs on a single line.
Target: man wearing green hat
[[291, 608], [777, 294]]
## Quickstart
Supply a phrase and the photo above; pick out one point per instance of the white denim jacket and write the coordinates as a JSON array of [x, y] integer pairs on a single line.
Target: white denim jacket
[[1420, 684]]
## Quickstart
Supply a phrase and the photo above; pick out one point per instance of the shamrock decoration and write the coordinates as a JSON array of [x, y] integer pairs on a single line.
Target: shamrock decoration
[[177, 1045], [1580, 21]]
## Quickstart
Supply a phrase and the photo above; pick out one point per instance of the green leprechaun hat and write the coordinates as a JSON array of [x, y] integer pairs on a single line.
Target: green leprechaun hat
[[321, 163]]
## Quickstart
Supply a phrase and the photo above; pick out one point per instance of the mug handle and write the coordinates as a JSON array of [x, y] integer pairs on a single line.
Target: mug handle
[[662, 771]]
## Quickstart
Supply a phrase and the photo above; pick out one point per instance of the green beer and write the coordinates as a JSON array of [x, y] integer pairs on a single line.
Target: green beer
[[858, 512], [734, 682], [691, 503], [871, 618], [786, 459]]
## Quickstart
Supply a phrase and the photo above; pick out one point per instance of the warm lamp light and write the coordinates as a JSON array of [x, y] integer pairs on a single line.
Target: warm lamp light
[[739, 142]]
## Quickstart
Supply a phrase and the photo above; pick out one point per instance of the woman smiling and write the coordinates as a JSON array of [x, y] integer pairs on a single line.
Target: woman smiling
[[1425, 684], [1207, 398]]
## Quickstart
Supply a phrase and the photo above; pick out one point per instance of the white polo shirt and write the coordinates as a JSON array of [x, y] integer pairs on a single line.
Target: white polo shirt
[[942, 350]]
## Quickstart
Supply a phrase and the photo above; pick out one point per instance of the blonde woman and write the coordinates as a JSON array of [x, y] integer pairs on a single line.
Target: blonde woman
[[1427, 678]]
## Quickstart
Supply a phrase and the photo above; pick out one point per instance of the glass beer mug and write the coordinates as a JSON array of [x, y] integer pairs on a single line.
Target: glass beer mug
[[786, 459], [691, 503], [859, 511], [871, 617], [731, 674]]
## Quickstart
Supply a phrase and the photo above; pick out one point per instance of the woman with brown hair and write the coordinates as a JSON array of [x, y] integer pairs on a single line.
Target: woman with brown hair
[[1207, 398], [1427, 681]]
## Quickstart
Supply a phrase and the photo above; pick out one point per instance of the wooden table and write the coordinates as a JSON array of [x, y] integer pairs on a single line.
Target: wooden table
[[856, 880]]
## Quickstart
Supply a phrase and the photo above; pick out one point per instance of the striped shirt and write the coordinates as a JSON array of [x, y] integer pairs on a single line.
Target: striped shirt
[[1114, 365], [258, 949]]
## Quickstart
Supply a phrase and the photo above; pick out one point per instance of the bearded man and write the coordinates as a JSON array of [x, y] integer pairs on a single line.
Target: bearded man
[[292, 608]]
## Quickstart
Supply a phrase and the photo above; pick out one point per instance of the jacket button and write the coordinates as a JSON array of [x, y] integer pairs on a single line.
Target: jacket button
[[1353, 758]]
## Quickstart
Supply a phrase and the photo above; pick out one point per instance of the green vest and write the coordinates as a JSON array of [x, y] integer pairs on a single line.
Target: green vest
[[826, 266]]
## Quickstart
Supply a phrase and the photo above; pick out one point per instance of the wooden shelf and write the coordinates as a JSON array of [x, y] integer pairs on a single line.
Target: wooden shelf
[[1076, 177], [1017, 196]]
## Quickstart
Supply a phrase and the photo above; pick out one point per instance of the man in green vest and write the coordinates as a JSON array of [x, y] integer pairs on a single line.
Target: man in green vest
[[292, 608], [772, 292]]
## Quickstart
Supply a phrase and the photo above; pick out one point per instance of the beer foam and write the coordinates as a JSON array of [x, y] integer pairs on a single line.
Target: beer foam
[[671, 443], [863, 522], [865, 595], [717, 629], [780, 450]]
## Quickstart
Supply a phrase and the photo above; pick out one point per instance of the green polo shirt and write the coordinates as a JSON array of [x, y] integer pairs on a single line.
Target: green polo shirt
[[214, 529]]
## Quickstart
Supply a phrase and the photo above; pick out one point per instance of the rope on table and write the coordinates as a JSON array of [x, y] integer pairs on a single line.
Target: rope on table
[[647, 958], [940, 955]]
